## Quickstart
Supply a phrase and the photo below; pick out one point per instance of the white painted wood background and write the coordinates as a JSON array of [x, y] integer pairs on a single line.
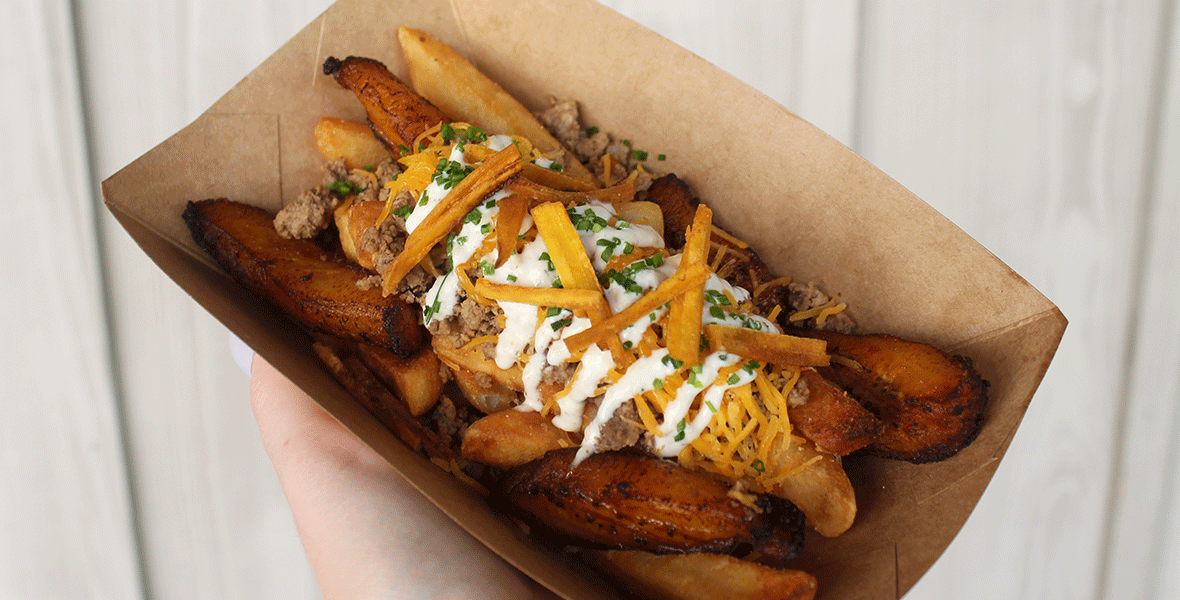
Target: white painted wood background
[[130, 466]]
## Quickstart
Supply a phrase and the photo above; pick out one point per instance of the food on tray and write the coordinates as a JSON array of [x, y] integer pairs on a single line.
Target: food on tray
[[580, 341]]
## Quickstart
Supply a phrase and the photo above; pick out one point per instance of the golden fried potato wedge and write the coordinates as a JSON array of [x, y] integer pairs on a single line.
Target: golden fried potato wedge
[[931, 403], [397, 114], [705, 576], [321, 294], [452, 83], [815, 482], [350, 141], [415, 379], [511, 438], [833, 420]]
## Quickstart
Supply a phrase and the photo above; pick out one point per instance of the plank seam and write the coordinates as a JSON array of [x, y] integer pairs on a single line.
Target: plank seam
[[85, 104], [1146, 204]]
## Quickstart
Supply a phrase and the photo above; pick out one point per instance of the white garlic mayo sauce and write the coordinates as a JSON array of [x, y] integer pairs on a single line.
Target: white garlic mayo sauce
[[535, 336]]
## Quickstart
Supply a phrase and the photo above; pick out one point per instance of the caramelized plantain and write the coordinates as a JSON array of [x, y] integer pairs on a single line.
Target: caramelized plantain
[[833, 420], [932, 404], [321, 294], [678, 204], [397, 114], [639, 502]]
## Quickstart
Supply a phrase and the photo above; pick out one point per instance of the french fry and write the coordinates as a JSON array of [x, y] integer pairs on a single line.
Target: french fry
[[511, 438], [416, 379], [642, 213], [451, 82], [769, 347], [813, 480], [350, 141]]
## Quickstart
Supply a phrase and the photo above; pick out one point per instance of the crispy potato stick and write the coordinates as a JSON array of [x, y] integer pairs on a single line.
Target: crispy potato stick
[[538, 193], [565, 247], [485, 179], [667, 290], [350, 141], [705, 576], [573, 265], [397, 113], [445, 78], [557, 180], [768, 347], [684, 314], [512, 212], [587, 300]]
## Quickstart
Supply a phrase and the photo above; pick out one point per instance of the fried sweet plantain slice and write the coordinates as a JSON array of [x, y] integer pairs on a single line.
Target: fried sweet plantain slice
[[628, 501], [705, 576], [321, 294], [932, 404], [397, 114], [834, 421], [679, 206]]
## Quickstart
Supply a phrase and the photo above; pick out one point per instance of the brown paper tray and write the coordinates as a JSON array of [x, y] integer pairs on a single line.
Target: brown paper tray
[[811, 207]]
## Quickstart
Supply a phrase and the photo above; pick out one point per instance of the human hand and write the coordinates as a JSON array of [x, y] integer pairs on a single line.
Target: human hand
[[366, 531]]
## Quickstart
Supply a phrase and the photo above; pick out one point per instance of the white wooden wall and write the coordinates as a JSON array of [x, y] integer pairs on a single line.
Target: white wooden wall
[[130, 466]]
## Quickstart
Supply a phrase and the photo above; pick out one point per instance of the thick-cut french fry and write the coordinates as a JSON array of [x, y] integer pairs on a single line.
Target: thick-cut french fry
[[350, 141], [769, 347], [352, 220], [485, 179], [684, 314], [511, 438], [451, 82], [538, 193], [642, 213], [813, 480], [416, 379]]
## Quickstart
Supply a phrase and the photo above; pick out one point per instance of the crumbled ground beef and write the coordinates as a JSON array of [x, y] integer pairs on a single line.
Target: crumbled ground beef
[[805, 296], [310, 214], [799, 394], [621, 431], [564, 122], [557, 375], [471, 320]]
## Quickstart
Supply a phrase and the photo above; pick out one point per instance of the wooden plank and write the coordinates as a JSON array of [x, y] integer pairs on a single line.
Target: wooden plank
[[801, 54], [214, 521], [1144, 546], [1028, 126], [65, 507]]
